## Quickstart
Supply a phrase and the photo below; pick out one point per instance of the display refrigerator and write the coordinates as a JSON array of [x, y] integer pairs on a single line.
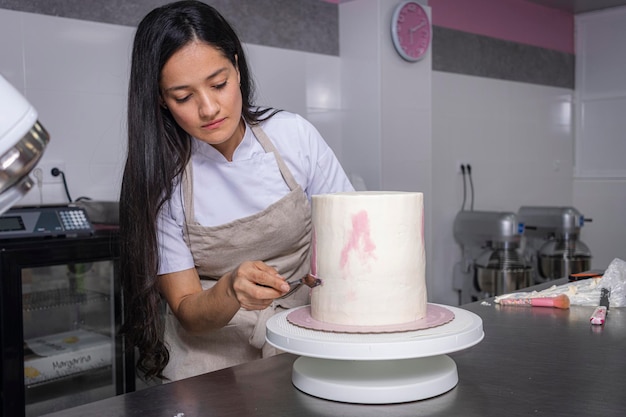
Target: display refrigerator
[[60, 315]]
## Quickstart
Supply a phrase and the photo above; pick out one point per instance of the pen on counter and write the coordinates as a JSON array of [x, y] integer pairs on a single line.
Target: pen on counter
[[599, 314]]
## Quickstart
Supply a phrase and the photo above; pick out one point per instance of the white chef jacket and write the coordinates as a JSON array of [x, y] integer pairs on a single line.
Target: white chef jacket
[[229, 190]]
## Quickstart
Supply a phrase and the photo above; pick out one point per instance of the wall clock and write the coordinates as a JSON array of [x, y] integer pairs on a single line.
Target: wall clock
[[411, 30]]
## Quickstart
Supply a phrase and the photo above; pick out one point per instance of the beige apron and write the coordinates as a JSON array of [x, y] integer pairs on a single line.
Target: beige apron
[[280, 236]]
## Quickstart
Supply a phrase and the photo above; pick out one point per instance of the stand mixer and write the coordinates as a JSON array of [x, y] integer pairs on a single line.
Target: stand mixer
[[492, 263], [552, 241], [22, 142]]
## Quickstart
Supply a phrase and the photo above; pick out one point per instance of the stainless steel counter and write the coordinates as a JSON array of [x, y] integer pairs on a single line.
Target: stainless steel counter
[[533, 361]]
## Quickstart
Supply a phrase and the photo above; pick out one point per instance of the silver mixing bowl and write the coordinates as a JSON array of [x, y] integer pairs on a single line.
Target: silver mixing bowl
[[495, 281], [557, 266]]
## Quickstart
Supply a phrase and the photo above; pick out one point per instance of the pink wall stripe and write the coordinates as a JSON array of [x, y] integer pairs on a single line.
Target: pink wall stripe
[[512, 20]]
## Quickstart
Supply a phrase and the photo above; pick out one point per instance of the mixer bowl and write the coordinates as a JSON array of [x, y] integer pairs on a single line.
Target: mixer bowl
[[501, 270], [557, 266], [495, 281], [560, 257]]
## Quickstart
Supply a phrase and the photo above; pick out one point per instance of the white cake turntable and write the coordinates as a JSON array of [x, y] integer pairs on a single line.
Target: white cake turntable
[[376, 368]]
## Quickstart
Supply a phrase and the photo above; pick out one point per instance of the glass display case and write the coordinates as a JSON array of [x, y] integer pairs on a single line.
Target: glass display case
[[60, 315]]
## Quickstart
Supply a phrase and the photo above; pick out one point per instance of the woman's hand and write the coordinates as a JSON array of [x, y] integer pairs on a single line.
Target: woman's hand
[[252, 285], [256, 284]]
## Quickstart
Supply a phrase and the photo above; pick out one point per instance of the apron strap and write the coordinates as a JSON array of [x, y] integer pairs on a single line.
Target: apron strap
[[187, 190]]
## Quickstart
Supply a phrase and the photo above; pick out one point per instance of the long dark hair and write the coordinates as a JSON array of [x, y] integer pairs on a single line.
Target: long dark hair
[[158, 150]]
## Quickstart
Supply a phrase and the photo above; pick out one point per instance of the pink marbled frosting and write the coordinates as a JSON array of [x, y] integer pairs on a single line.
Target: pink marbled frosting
[[369, 253]]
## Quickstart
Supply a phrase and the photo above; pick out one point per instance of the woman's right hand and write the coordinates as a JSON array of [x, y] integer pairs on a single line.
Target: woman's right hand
[[256, 284], [252, 285]]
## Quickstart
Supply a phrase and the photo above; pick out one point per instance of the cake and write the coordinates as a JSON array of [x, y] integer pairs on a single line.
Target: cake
[[368, 252]]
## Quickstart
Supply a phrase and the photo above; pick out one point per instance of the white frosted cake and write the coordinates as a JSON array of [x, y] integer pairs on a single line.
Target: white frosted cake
[[368, 250]]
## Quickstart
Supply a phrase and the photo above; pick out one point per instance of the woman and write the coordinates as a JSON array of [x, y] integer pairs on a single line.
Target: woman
[[215, 199]]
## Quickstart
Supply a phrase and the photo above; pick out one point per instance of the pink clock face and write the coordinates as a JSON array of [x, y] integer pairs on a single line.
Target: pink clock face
[[412, 32]]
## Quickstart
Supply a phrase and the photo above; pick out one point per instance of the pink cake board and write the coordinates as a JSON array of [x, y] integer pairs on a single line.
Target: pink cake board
[[435, 316]]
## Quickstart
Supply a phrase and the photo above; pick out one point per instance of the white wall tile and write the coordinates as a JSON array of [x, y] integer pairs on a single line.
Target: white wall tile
[[323, 82], [282, 86], [70, 55], [600, 41], [360, 89], [11, 45], [601, 148], [600, 167], [323, 98]]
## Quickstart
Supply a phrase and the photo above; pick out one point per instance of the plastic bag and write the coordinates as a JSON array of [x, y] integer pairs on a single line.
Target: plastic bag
[[586, 292], [614, 278]]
